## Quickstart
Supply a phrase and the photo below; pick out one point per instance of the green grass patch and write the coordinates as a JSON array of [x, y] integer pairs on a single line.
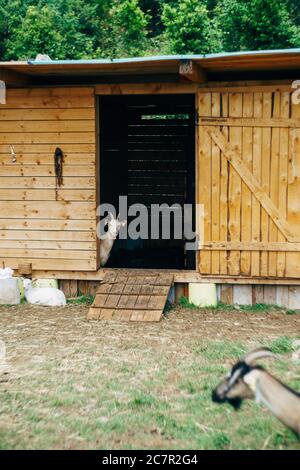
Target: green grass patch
[[81, 300], [143, 400], [256, 308], [220, 350], [290, 311], [184, 302], [247, 308], [221, 441], [282, 345]]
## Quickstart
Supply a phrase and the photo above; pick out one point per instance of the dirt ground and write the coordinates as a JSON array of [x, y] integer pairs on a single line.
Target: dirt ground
[[65, 374], [69, 324]]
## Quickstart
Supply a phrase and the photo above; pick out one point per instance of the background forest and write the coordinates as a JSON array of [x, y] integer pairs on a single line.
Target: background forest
[[76, 29]]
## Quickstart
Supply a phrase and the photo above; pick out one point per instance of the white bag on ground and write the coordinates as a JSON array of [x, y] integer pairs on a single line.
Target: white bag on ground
[[6, 273], [45, 283], [45, 296], [9, 288], [21, 287]]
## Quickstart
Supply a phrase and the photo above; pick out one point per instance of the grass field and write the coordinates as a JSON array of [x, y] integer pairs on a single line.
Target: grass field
[[73, 384]]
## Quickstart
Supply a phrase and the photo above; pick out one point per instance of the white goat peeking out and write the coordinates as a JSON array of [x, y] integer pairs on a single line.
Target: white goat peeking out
[[247, 380], [113, 227]]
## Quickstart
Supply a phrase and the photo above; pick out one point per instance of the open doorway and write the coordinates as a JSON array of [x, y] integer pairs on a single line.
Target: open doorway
[[147, 152]]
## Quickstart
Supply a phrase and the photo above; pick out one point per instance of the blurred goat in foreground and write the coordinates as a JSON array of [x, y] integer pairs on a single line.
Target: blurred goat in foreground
[[248, 380]]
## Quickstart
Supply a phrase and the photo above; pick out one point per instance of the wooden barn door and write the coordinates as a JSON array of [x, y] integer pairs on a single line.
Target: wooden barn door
[[249, 182]]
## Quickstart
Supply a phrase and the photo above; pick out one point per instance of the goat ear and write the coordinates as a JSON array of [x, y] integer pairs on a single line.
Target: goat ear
[[123, 223], [110, 216], [259, 353]]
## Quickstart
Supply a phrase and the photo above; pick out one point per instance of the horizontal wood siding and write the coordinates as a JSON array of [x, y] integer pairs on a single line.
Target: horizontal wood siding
[[52, 229], [249, 168]]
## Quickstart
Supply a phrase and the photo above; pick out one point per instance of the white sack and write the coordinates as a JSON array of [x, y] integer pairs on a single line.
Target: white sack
[[45, 296]]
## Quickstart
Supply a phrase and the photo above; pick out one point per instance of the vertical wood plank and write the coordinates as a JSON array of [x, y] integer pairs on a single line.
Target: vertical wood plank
[[276, 100], [73, 288], [269, 295], [227, 294], [87, 287], [235, 184], [215, 194], [282, 296], [181, 290], [204, 146], [224, 192], [246, 193], [83, 287], [64, 286], [265, 179], [294, 297], [283, 177], [69, 287], [293, 198], [256, 208], [242, 295], [257, 294]]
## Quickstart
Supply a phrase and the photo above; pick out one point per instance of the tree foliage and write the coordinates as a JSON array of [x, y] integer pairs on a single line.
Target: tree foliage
[[256, 25], [129, 28], [74, 29], [189, 29]]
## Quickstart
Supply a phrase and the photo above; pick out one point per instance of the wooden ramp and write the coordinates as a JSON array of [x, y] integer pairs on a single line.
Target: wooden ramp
[[130, 296]]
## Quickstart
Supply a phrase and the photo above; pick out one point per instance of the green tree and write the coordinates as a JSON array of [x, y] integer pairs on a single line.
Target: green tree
[[128, 29], [256, 25], [11, 14], [75, 25], [189, 29], [74, 29], [294, 9], [71, 29], [2, 31], [37, 34], [83, 25]]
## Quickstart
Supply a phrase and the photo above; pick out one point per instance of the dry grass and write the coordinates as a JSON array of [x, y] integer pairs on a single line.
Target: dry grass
[[74, 384]]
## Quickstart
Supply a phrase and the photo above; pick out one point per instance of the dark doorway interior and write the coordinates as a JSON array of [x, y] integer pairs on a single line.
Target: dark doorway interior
[[147, 152]]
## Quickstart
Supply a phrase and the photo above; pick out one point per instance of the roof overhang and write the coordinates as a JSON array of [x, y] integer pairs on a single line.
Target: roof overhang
[[242, 65]]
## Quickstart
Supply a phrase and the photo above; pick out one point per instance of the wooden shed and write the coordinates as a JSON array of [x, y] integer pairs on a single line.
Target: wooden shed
[[221, 130]]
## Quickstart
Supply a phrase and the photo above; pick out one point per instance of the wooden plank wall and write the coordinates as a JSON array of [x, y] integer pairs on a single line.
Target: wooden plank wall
[[249, 136], [282, 296], [51, 229]]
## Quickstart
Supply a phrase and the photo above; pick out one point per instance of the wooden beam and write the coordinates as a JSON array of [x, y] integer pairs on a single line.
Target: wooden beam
[[284, 123], [179, 277], [250, 246], [145, 88], [192, 71], [242, 86], [12, 78]]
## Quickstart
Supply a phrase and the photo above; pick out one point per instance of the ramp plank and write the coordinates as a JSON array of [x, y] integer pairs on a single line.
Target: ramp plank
[[131, 296]]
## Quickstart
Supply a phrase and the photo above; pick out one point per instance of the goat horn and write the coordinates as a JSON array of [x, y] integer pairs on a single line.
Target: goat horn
[[259, 353]]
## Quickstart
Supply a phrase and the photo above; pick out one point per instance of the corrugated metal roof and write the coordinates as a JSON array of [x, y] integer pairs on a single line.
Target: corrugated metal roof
[[169, 57], [222, 66]]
